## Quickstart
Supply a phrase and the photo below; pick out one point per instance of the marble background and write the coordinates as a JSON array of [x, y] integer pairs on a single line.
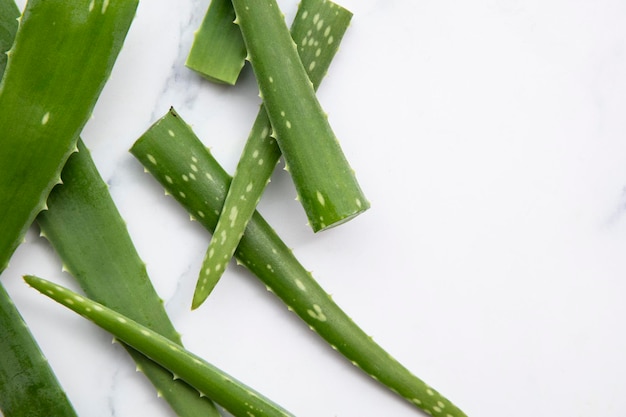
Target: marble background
[[490, 138]]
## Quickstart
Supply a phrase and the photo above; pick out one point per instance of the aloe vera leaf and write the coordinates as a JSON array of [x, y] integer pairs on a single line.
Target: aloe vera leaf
[[230, 393], [28, 386], [261, 153], [218, 52], [166, 150], [63, 53], [9, 15], [325, 183], [24, 371], [85, 228]]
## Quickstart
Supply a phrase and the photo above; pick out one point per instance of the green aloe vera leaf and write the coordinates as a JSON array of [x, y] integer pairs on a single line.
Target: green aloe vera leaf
[[167, 150], [85, 228], [325, 183], [28, 386], [218, 52], [24, 371], [261, 153], [231, 394], [63, 53], [9, 15]]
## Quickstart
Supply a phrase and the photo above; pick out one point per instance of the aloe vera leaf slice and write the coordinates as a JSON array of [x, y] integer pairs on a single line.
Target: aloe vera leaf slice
[[218, 52], [166, 150], [63, 53], [325, 183], [85, 228], [233, 395], [261, 153]]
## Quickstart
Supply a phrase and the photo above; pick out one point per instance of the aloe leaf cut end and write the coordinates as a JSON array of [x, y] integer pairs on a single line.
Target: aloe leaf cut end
[[218, 52], [326, 184]]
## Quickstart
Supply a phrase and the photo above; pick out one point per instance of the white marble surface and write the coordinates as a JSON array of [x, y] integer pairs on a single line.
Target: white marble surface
[[490, 138]]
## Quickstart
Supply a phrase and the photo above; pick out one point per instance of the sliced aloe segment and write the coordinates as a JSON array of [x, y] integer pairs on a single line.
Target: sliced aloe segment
[[218, 52]]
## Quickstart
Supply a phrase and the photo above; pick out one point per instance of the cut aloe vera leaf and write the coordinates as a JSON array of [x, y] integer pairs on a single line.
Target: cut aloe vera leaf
[[63, 53], [230, 393], [326, 185], [87, 231], [261, 153], [168, 150], [28, 386], [218, 52]]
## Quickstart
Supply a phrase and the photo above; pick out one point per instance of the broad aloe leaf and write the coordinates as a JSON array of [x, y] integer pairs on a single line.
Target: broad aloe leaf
[[63, 53], [85, 228], [24, 371]]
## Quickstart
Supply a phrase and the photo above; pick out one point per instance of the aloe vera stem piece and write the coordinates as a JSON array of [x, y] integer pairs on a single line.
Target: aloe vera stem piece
[[62, 55], [326, 185], [261, 153], [218, 52], [231, 394], [167, 150], [28, 386], [85, 228]]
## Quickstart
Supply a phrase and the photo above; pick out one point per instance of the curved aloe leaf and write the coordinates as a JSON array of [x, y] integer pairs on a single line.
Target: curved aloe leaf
[[261, 153], [326, 185], [167, 150], [63, 53], [231, 394], [85, 228]]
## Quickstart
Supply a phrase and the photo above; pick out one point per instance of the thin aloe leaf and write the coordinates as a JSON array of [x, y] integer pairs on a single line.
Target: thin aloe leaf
[[168, 150], [325, 183], [233, 395], [63, 53], [218, 52], [24, 371], [261, 152], [85, 228], [28, 386]]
